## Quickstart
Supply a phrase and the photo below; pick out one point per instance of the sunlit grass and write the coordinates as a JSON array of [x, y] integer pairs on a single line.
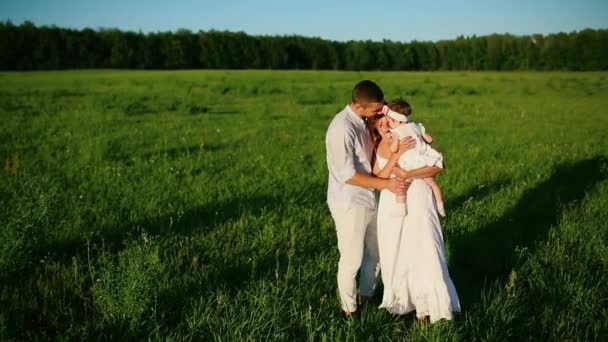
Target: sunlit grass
[[191, 205]]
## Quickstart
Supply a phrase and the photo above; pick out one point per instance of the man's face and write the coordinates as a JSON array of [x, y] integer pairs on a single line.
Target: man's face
[[368, 109]]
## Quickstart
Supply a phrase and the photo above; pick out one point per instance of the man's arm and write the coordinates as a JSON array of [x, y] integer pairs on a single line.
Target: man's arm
[[340, 153]]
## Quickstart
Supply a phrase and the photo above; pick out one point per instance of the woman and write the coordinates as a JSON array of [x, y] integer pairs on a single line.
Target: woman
[[412, 256]]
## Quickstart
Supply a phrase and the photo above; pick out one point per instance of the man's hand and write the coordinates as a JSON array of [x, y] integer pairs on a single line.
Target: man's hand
[[397, 186], [406, 144]]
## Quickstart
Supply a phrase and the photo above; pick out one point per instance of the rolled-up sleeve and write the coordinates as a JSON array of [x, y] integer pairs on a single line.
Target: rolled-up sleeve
[[422, 129], [340, 145]]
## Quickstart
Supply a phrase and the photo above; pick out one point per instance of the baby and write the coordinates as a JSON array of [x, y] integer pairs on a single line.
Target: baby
[[397, 114]]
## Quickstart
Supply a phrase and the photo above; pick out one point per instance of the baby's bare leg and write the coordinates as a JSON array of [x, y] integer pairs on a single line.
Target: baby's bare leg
[[435, 187], [437, 193]]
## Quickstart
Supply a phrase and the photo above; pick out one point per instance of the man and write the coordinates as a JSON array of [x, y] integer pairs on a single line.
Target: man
[[350, 193]]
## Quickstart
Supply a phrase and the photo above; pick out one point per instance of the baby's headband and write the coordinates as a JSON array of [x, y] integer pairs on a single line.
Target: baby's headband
[[397, 116]]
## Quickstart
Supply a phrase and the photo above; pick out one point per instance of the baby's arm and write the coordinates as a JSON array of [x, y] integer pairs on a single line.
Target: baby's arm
[[428, 138], [394, 142]]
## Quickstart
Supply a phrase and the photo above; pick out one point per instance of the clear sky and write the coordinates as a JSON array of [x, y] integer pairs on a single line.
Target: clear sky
[[340, 20]]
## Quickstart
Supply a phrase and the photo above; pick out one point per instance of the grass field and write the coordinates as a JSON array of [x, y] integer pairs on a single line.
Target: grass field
[[190, 205]]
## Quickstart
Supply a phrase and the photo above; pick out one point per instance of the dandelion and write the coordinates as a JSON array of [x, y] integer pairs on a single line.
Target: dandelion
[[221, 299], [512, 280]]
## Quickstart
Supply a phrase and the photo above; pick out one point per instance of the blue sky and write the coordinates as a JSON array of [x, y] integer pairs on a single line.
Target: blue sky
[[341, 20]]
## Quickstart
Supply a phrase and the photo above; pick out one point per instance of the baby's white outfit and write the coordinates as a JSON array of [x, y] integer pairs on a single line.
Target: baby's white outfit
[[420, 156]]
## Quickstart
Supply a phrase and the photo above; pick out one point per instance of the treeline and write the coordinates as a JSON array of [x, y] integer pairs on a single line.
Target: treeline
[[28, 47]]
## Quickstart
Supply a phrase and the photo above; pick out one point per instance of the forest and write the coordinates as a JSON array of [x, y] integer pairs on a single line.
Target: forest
[[30, 47]]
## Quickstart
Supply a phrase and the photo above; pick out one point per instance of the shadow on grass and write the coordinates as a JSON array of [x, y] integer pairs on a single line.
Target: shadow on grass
[[483, 256], [228, 275], [231, 277], [476, 192], [489, 253], [195, 220]]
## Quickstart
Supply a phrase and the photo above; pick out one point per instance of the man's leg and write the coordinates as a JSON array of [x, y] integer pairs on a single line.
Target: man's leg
[[370, 266], [350, 229]]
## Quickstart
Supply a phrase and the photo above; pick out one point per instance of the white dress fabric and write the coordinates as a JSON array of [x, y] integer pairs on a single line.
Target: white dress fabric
[[420, 156], [412, 256]]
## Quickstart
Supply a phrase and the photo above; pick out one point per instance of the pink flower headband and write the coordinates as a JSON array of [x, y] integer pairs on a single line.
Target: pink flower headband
[[397, 116]]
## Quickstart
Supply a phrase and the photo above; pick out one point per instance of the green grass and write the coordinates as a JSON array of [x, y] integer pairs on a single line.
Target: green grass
[[190, 205]]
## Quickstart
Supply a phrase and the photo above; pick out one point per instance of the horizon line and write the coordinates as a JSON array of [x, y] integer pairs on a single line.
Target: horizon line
[[101, 28]]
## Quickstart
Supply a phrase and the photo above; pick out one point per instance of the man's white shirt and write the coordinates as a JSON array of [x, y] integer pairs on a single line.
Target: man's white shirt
[[349, 150]]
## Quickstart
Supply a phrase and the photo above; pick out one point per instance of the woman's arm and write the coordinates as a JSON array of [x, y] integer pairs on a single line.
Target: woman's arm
[[388, 168], [403, 145], [393, 140], [423, 172]]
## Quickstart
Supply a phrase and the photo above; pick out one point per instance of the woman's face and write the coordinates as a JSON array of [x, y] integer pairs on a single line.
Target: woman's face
[[382, 125]]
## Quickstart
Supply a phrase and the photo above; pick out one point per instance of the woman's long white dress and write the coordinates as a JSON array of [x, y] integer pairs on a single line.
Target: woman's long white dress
[[412, 256]]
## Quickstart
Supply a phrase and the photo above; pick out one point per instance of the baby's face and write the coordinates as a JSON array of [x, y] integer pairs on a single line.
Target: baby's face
[[392, 123]]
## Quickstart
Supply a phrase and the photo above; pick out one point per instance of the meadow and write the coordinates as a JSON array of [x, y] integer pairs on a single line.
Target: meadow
[[190, 205]]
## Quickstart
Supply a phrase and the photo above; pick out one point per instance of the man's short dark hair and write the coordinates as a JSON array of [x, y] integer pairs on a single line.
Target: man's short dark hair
[[367, 91]]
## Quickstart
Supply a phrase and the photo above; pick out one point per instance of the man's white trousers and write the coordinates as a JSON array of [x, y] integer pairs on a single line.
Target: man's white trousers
[[358, 245]]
